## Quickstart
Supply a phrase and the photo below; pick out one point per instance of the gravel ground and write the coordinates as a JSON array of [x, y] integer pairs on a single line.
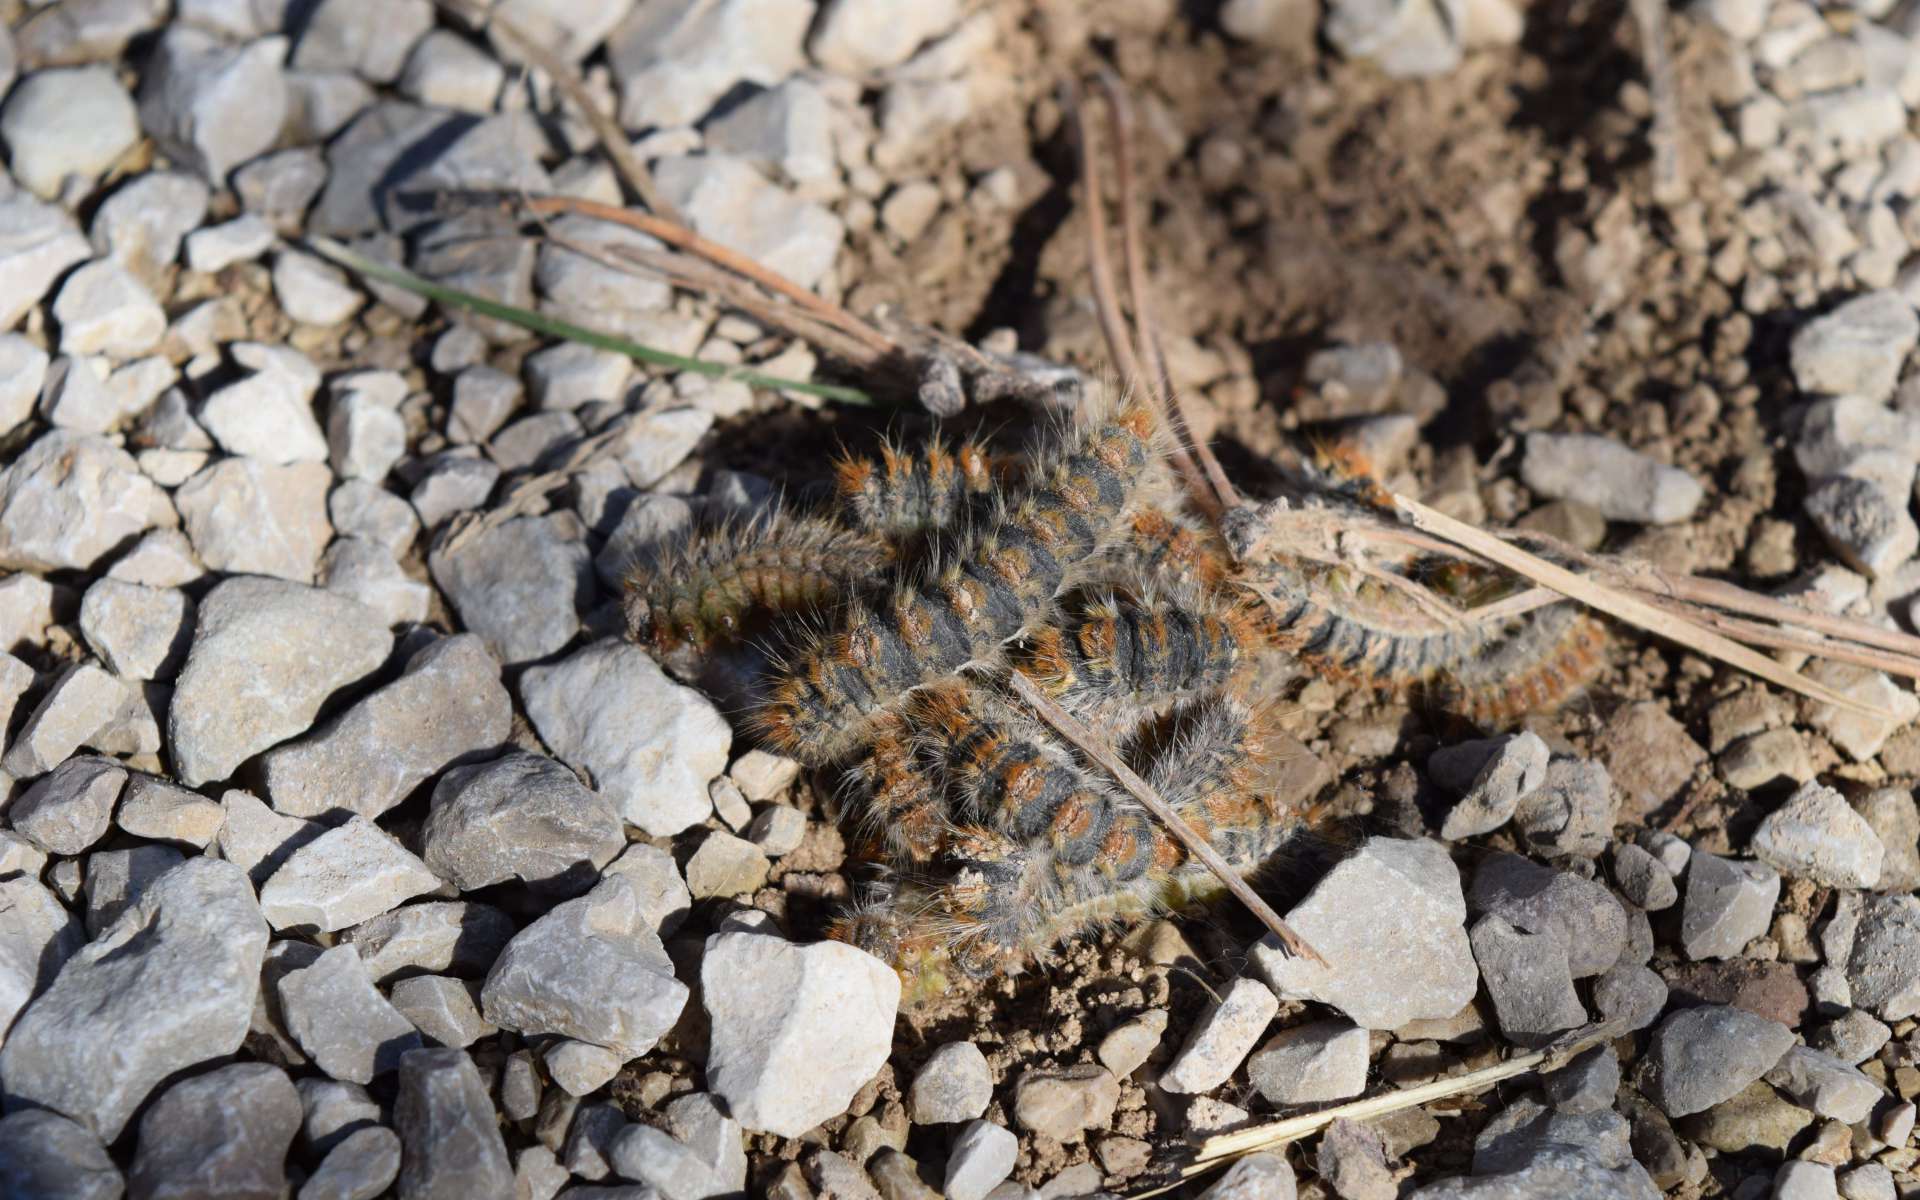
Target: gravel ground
[[351, 850]]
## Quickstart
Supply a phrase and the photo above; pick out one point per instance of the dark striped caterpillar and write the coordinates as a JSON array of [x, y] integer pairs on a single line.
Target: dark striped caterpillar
[[907, 495]]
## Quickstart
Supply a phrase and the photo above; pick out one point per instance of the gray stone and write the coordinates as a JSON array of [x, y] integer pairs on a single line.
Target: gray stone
[[436, 937], [312, 291], [788, 128], [224, 1133], [362, 1166], [480, 253], [531, 441], [446, 1010], [447, 706], [1643, 879], [569, 375], [777, 830], [1529, 980], [1382, 975], [162, 558], [269, 414], [371, 38], [332, 1111], [653, 443], [365, 437], [1516, 767], [725, 865], [1062, 1104], [1701, 1056], [483, 397], [212, 106], [1526, 1127], [365, 570], [280, 187], [1870, 530], [1803, 1180], [1884, 967], [522, 817], [649, 745], [453, 484], [451, 1148], [574, 275], [729, 202], [153, 808], [1587, 1084], [1551, 1171], [1352, 1161], [1816, 835], [245, 516], [1223, 1036], [142, 224], [116, 879], [217, 247], [856, 37], [103, 309], [591, 970], [81, 708], [37, 937], [445, 70], [169, 986], [23, 368], [266, 655], [360, 509], [1857, 349], [72, 122], [71, 808], [1622, 484], [657, 885], [954, 1084], [521, 586], [1578, 913], [674, 59], [1727, 904], [1405, 41], [1852, 1037], [139, 632], [47, 1157], [343, 877], [69, 500], [38, 242], [796, 1030], [1261, 1176], [1825, 1084], [344, 1025], [1322, 1060], [1571, 813], [257, 839], [983, 1155], [1895, 821]]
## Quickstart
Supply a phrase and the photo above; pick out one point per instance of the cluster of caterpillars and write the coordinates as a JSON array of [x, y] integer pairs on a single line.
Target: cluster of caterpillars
[[897, 617]]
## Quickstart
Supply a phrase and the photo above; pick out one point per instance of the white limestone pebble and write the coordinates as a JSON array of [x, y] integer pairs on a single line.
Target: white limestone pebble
[[438, 937], [1621, 484], [365, 570], [1322, 1060], [161, 811], [268, 415], [38, 242], [1517, 766], [82, 703], [1064, 1103], [245, 516], [212, 105], [257, 839], [217, 247], [103, 309], [954, 1084], [1857, 349], [520, 585], [983, 1155], [138, 632], [648, 744], [725, 865], [1823, 1083], [657, 885], [1817, 835], [224, 1133], [1223, 1036], [856, 37], [1701, 1056], [1382, 974], [69, 500], [444, 1009], [38, 935], [266, 654], [731, 203], [360, 1167], [796, 1030], [170, 985], [342, 878], [73, 121], [1124, 1049], [673, 59], [313, 291], [451, 1145], [447, 705], [346, 1026], [592, 970]]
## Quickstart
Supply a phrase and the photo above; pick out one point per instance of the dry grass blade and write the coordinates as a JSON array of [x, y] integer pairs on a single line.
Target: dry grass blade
[[1776, 637], [1622, 605], [1721, 594], [1669, 185], [611, 137], [679, 236], [1090, 744]]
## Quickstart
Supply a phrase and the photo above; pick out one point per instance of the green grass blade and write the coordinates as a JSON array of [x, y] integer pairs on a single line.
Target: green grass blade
[[540, 323]]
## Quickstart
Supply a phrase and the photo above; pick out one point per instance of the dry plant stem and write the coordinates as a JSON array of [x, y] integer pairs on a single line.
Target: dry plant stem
[[1517, 605], [1106, 303], [1775, 638], [1725, 595], [1625, 607], [1664, 135], [1132, 246], [1090, 744], [612, 139], [680, 237]]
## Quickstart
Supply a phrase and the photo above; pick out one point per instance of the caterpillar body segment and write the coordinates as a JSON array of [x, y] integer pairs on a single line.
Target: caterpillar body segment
[[907, 494]]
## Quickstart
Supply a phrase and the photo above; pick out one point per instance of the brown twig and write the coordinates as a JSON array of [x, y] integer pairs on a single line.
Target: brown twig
[[1777, 638], [1664, 134], [1623, 606], [679, 236], [1090, 744]]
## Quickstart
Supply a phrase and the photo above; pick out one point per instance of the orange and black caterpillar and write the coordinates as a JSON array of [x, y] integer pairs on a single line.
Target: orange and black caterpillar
[[906, 495], [705, 588], [1001, 580]]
